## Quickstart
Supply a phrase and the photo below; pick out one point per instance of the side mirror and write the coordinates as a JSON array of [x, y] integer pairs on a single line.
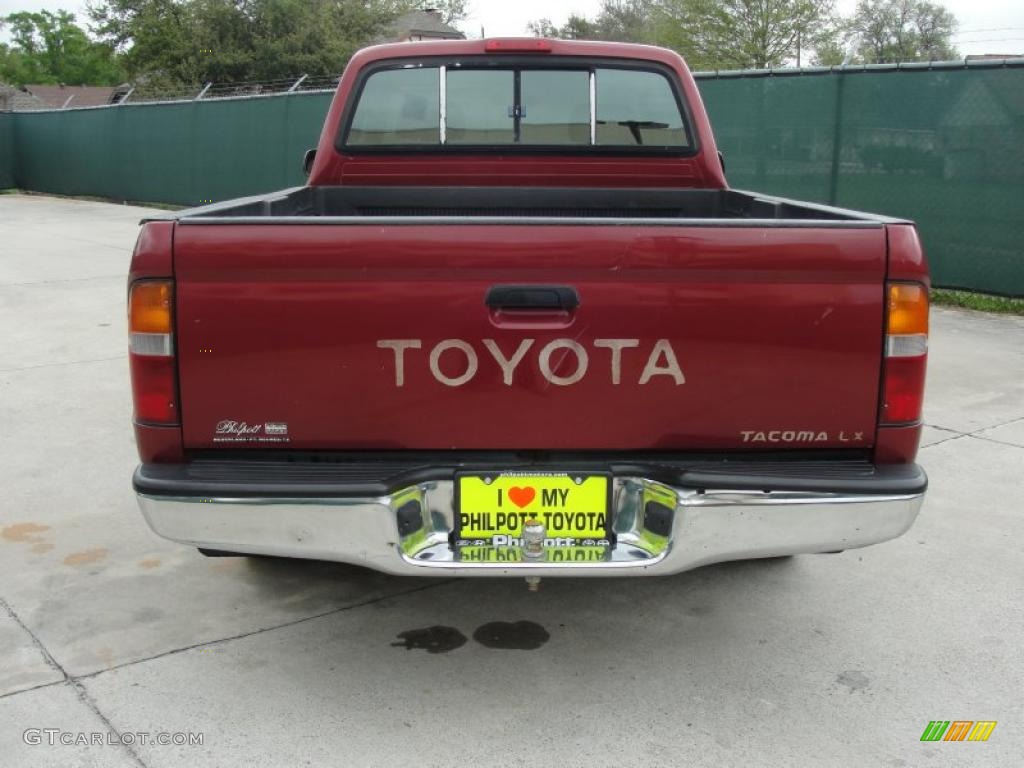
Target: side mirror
[[307, 161], [721, 159]]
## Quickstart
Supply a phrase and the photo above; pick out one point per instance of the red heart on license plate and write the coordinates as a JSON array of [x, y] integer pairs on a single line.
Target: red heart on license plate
[[521, 496]]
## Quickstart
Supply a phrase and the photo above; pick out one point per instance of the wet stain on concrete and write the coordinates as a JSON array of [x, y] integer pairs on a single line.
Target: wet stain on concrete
[[21, 532], [512, 636], [147, 615], [41, 547], [853, 679], [149, 563], [436, 639], [85, 557]]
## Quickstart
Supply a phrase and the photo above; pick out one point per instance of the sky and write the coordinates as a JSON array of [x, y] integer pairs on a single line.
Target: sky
[[986, 26]]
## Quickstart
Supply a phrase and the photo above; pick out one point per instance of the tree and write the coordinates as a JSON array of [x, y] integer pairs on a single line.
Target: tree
[[716, 34], [743, 34], [543, 28], [187, 42], [888, 31], [632, 21], [829, 50], [624, 20], [451, 11], [49, 47], [576, 27]]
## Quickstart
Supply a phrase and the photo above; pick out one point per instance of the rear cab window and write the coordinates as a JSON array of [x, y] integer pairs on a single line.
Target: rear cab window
[[518, 106]]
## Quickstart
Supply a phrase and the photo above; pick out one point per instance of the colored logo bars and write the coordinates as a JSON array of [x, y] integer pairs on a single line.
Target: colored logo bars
[[958, 730]]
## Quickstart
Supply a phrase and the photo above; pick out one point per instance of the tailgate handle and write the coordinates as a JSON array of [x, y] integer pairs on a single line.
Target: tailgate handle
[[542, 297]]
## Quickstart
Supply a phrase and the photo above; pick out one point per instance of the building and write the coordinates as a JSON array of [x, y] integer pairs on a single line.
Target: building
[[16, 100], [32, 97], [422, 25], [61, 96]]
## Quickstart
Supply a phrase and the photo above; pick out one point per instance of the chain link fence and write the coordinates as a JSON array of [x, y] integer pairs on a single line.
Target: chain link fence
[[305, 84], [942, 144]]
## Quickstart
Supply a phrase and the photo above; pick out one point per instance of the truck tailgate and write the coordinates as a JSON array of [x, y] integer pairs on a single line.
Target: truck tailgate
[[328, 336]]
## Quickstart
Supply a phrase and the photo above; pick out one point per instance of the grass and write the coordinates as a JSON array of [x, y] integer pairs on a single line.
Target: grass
[[983, 302]]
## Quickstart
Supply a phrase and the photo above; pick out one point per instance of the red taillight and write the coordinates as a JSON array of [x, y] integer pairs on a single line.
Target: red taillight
[[518, 45], [904, 389], [906, 352], [153, 389], [151, 351]]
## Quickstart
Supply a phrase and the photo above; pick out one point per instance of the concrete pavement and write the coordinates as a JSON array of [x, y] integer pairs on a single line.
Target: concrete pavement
[[817, 660]]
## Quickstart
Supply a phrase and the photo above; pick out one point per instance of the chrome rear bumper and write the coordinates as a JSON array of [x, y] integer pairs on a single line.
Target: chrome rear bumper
[[407, 532]]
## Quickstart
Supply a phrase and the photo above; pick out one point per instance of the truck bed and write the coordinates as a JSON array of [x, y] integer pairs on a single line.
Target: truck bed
[[487, 205]]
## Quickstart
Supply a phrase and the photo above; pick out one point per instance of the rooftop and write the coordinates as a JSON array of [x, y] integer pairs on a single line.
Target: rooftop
[[423, 25]]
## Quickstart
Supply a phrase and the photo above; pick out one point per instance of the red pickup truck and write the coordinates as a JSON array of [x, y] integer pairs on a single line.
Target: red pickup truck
[[517, 323]]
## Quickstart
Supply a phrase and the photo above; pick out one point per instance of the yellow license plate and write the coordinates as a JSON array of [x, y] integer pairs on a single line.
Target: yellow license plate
[[493, 509]]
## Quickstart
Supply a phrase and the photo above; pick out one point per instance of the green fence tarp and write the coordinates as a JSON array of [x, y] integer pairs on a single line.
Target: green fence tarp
[[943, 146], [186, 153], [6, 150]]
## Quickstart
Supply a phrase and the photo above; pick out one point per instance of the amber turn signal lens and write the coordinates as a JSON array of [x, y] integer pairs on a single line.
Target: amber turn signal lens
[[149, 307], [908, 308]]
